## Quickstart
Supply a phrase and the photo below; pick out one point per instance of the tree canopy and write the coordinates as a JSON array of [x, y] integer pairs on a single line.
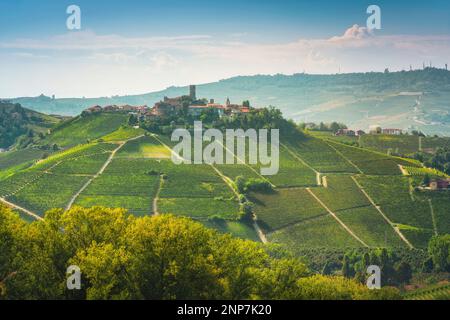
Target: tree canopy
[[160, 257]]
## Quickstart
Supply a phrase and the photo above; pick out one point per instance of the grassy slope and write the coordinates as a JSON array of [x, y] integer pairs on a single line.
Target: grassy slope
[[290, 216], [82, 128]]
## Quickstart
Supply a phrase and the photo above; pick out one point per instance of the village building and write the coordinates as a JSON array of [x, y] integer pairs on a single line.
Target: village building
[[392, 132], [93, 109], [375, 129], [345, 132], [170, 106], [440, 184]]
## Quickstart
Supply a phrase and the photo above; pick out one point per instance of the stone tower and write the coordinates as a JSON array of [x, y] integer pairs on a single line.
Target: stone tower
[[192, 93]]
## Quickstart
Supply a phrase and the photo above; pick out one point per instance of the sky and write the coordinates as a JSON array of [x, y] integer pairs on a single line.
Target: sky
[[137, 46]]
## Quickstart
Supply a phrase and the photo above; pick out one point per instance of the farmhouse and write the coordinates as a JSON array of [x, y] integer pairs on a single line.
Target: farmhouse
[[376, 129], [440, 184], [345, 132], [93, 109], [392, 132]]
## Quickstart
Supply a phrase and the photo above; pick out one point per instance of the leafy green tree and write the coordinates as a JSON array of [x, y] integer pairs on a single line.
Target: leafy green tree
[[404, 272], [346, 268], [439, 250], [159, 257], [240, 184], [327, 268]]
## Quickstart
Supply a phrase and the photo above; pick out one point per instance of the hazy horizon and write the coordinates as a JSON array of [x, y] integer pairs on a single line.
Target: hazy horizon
[[146, 46]]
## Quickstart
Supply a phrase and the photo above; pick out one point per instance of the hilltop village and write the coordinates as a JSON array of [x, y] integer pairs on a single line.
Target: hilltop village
[[172, 106]]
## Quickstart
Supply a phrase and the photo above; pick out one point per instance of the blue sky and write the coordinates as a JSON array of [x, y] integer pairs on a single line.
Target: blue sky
[[139, 46]]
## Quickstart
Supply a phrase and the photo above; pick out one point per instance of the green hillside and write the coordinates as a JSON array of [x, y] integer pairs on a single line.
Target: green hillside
[[85, 127], [22, 126], [415, 99], [390, 144], [327, 194]]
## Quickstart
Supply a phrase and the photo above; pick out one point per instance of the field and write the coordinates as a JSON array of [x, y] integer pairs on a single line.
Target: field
[[14, 158], [240, 229], [401, 206], [133, 178], [341, 193], [320, 232], [84, 128], [420, 172], [372, 163], [330, 135], [370, 226], [123, 133], [315, 202], [145, 147], [48, 192], [285, 207], [389, 144], [402, 144], [124, 184], [319, 155], [435, 292]]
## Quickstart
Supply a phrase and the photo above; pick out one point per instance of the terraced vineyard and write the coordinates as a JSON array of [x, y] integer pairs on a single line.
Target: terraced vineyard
[[326, 194], [437, 292], [52, 182], [391, 144], [83, 128], [412, 214]]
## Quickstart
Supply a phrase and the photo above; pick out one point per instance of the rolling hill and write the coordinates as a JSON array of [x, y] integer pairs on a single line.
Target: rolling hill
[[21, 125], [327, 194], [416, 99]]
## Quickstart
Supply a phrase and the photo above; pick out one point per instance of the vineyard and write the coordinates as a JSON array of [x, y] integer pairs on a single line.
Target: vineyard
[[83, 128], [420, 172], [285, 207], [437, 292], [316, 202], [401, 144]]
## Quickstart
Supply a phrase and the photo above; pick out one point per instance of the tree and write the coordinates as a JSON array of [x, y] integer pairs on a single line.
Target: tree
[[439, 250], [158, 257], [426, 180], [327, 268], [240, 184], [404, 272], [133, 120], [447, 168], [346, 268]]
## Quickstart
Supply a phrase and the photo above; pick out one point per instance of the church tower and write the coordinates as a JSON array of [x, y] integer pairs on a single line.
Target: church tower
[[192, 93]]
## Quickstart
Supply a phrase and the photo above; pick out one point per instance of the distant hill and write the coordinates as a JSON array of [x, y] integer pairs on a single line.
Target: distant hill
[[407, 100], [21, 125]]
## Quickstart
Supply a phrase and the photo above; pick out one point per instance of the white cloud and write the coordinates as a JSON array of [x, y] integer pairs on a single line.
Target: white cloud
[[354, 33], [113, 64]]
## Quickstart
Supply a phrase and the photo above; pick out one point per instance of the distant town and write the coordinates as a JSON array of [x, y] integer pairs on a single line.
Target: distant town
[[169, 106], [194, 106]]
